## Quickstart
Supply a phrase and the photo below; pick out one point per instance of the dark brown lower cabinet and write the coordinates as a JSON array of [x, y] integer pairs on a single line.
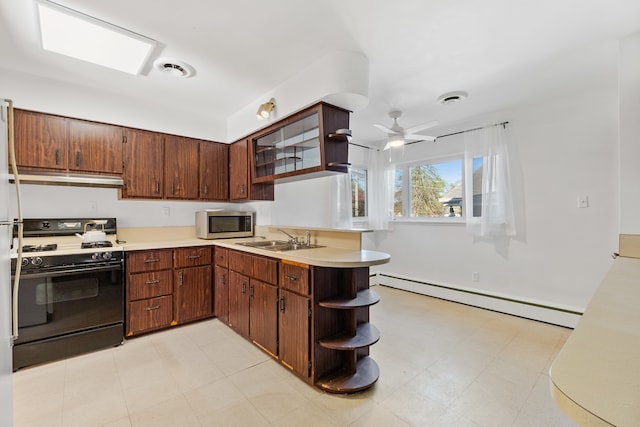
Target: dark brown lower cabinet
[[294, 328], [221, 294], [239, 302], [149, 314], [263, 315], [192, 293]]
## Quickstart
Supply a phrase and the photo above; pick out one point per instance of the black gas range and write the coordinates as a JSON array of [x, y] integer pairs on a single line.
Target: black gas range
[[70, 294]]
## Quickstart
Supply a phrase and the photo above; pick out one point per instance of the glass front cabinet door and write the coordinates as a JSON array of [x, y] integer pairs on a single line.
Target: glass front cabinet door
[[313, 141]]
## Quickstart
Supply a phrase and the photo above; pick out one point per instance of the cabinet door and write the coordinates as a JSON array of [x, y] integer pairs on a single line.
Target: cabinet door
[[143, 164], [149, 314], [239, 170], [95, 147], [192, 293], [214, 171], [221, 294], [294, 332], [239, 303], [263, 315], [181, 168], [40, 140]]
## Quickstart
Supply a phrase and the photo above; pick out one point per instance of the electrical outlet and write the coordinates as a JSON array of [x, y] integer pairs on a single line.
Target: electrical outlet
[[475, 276], [92, 207], [583, 201], [166, 211]]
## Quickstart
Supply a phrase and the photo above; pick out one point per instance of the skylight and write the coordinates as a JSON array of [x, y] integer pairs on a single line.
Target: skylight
[[71, 33]]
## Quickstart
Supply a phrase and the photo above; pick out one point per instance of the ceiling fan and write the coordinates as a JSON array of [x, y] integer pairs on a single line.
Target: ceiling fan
[[398, 136]]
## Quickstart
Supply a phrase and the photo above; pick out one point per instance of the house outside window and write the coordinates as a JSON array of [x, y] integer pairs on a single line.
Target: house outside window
[[359, 192], [430, 190]]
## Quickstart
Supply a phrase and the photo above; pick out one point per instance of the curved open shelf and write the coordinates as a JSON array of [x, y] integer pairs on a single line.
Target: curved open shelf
[[364, 298], [366, 335], [343, 381]]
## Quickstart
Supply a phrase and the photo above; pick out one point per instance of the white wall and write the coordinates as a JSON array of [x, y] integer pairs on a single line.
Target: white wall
[[629, 132], [562, 148]]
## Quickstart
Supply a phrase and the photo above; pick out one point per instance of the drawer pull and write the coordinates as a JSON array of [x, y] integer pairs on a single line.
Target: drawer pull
[[152, 307], [244, 288], [180, 278], [282, 304], [193, 256], [152, 282], [152, 260], [290, 277]]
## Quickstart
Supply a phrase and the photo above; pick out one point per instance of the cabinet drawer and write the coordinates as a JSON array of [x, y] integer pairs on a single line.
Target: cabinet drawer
[[191, 257], [153, 260], [222, 256], [294, 278], [257, 267], [149, 314], [148, 285]]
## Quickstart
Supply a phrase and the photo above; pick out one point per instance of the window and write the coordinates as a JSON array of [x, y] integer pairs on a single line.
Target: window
[[477, 167], [359, 192], [429, 189]]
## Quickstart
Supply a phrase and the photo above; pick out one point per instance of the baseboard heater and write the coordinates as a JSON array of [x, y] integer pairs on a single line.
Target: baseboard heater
[[528, 309]]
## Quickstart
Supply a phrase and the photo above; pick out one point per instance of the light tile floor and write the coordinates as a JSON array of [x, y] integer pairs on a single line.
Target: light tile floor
[[441, 363]]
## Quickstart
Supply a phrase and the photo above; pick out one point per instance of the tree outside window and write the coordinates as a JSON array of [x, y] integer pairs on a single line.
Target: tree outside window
[[359, 192]]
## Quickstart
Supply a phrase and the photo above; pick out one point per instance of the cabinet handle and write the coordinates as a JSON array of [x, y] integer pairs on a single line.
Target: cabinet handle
[[193, 256], [251, 288], [224, 279], [290, 277], [152, 282], [205, 189], [180, 278], [244, 288], [282, 304], [173, 188], [243, 189], [57, 157], [77, 158], [152, 307], [157, 187], [152, 260]]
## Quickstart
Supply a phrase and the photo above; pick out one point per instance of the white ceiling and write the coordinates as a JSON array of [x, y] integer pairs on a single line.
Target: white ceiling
[[502, 52]]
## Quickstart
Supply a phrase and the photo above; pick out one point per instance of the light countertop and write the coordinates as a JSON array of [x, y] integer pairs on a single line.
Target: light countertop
[[328, 256], [596, 375]]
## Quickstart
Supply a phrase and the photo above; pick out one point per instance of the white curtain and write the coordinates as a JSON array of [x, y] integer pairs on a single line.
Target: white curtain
[[493, 213], [380, 186], [343, 201]]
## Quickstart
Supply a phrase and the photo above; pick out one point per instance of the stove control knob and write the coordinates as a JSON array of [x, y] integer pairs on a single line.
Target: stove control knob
[[37, 261], [95, 256], [107, 255], [25, 261]]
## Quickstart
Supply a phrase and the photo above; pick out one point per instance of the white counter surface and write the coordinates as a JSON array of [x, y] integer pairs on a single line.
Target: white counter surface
[[596, 375]]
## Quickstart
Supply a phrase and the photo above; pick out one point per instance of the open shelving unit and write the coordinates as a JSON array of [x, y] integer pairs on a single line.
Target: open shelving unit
[[342, 332]]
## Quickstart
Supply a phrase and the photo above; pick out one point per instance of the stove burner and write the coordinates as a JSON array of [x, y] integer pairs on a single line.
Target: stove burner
[[102, 244], [39, 248]]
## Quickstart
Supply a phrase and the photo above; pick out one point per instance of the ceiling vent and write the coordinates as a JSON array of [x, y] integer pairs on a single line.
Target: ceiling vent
[[173, 67], [452, 97]]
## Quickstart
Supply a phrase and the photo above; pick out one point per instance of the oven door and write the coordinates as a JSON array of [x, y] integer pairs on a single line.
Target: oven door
[[57, 303]]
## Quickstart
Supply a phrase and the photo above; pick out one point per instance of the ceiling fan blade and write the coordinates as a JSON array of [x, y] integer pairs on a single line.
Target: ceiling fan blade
[[384, 129], [386, 147], [423, 126], [420, 137]]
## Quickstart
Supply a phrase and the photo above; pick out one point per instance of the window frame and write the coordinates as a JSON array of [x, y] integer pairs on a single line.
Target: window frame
[[406, 190]]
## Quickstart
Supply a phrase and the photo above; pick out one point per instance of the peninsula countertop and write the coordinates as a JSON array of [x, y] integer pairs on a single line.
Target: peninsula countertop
[[596, 376], [330, 255]]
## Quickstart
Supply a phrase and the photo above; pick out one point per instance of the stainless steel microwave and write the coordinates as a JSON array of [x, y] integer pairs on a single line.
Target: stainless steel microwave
[[217, 224]]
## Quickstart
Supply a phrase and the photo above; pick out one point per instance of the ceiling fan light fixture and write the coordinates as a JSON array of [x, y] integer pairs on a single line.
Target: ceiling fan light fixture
[[396, 140], [452, 97]]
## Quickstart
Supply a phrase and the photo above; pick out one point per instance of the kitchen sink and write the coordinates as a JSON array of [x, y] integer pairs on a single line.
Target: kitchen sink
[[279, 245]]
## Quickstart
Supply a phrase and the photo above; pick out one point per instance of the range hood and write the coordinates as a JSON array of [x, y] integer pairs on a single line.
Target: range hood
[[71, 180]]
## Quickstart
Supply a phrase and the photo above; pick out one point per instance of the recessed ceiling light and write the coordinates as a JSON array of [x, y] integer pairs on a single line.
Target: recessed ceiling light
[[452, 97], [71, 33], [173, 67]]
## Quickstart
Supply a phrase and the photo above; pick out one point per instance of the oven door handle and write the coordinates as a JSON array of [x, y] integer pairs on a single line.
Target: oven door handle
[[70, 272]]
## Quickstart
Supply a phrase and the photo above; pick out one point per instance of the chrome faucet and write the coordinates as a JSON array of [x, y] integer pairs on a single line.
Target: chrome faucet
[[292, 239]]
